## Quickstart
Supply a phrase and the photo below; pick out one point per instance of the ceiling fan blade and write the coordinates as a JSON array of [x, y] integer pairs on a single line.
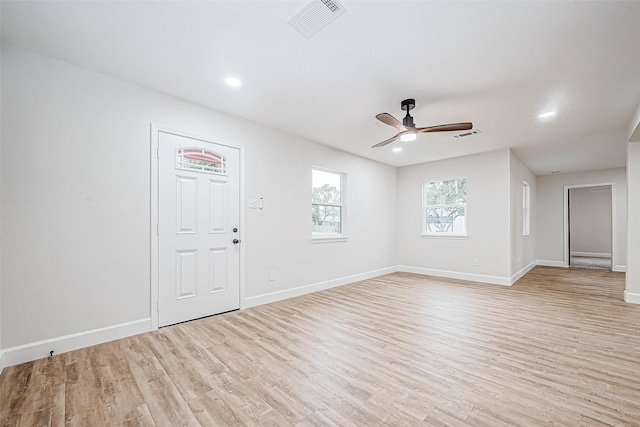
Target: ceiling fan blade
[[388, 119], [444, 128], [387, 141]]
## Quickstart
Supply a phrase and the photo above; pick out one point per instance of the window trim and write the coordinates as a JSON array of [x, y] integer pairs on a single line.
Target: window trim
[[335, 237], [526, 209], [430, 234]]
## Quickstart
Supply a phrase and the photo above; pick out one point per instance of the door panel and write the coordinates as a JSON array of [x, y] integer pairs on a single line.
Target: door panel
[[199, 207], [187, 204], [217, 207]]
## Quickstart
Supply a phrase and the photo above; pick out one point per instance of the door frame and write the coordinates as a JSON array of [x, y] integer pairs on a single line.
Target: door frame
[[566, 248], [155, 261]]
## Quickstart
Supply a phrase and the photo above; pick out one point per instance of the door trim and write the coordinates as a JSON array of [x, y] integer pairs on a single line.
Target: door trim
[[566, 255], [154, 214]]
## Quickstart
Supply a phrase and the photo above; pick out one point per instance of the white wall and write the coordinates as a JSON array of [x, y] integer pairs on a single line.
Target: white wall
[[523, 248], [488, 216], [632, 292], [550, 217], [1, 347], [76, 200], [590, 221]]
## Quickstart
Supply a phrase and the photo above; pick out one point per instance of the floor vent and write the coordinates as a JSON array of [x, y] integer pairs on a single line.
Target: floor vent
[[315, 16], [465, 134]]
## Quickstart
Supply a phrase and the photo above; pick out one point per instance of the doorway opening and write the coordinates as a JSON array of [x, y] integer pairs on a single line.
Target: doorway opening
[[590, 226]]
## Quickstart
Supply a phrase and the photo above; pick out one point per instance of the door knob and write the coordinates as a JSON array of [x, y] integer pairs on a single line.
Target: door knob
[[236, 241]]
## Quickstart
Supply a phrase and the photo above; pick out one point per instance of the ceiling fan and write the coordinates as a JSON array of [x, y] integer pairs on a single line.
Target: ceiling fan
[[408, 130]]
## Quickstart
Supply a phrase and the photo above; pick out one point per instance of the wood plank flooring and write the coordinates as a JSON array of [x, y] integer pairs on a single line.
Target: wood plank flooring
[[559, 347]]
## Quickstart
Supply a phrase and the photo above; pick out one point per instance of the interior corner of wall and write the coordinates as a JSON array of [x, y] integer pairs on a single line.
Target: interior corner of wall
[[635, 135], [634, 126]]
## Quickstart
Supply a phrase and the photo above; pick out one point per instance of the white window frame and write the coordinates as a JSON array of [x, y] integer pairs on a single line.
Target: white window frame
[[334, 237], [526, 209], [431, 234]]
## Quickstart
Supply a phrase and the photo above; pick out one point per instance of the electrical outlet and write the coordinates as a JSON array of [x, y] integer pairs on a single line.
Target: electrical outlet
[[476, 262], [253, 204], [272, 275]]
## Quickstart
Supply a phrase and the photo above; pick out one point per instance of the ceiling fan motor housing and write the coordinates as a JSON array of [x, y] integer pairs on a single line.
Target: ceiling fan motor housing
[[407, 105]]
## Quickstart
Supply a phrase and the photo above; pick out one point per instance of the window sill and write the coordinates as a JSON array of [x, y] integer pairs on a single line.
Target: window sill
[[329, 239], [445, 236]]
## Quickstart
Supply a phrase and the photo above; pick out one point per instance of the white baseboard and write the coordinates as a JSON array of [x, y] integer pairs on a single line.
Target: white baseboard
[[522, 272], [592, 254], [631, 297], [313, 287], [620, 268], [494, 280], [1, 360], [37, 350], [547, 263]]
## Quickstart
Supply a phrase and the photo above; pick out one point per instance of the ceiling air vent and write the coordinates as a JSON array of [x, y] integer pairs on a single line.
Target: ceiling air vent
[[465, 134], [315, 16]]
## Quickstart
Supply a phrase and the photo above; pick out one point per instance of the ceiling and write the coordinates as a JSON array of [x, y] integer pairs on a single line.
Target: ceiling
[[496, 64]]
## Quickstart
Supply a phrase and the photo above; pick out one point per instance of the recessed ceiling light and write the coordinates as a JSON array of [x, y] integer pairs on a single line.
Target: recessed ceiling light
[[232, 81], [547, 114], [397, 149]]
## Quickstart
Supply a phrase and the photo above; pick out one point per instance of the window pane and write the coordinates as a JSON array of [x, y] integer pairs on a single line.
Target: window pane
[[448, 192], [526, 212], [446, 219], [326, 219], [326, 187]]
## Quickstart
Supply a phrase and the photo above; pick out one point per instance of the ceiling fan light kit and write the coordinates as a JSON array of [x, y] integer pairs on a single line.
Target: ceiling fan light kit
[[407, 130], [408, 136]]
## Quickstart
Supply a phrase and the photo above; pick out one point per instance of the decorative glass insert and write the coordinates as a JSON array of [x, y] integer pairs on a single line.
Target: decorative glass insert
[[201, 160]]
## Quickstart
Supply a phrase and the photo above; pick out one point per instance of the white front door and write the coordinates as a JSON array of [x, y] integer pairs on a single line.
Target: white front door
[[198, 222]]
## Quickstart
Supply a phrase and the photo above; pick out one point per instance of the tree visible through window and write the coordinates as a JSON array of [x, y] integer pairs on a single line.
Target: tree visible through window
[[445, 205], [327, 203]]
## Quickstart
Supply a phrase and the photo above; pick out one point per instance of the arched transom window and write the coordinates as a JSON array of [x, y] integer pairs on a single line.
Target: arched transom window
[[201, 160]]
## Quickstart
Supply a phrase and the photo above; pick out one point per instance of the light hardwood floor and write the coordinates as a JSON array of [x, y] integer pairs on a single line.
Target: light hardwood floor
[[559, 347]]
